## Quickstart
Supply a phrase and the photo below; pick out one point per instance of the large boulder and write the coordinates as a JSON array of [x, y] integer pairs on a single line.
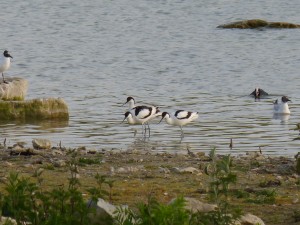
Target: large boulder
[[15, 89], [35, 109], [257, 23], [105, 212]]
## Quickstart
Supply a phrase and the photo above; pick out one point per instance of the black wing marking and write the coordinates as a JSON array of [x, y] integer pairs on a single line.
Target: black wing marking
[[181, 117], [139, 109]]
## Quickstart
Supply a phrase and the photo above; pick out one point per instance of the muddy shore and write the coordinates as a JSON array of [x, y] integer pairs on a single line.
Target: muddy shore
[[138, 174]]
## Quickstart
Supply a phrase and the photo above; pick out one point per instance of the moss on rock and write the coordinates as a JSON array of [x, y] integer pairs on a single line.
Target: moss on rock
[[45, 108], [258, 23]]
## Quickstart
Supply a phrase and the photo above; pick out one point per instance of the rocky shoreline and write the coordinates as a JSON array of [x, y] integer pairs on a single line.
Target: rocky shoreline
[[137, 174]]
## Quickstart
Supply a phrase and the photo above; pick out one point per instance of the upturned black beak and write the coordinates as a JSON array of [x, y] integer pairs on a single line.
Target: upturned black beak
[[124, 103], [161, 120], [124, 119]]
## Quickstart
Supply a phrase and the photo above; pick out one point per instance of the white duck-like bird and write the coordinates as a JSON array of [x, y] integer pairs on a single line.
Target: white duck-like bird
[[281, 106], [5, 63], [179, 118]]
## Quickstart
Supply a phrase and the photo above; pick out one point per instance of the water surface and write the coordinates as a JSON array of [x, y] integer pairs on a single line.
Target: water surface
[[169, 53]]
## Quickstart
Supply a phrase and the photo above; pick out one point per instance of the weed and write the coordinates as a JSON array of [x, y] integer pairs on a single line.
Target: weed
[[296, 216], [154, 213], [87, 161], [221, 177], [27, 203], [263, 197]]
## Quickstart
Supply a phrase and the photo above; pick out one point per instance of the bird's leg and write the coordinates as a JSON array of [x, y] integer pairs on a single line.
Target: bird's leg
[[148, 129], [142, 129], [4, 81], [182, 134]]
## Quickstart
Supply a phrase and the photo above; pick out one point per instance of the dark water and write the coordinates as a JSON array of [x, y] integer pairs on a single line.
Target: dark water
[[96, 53]]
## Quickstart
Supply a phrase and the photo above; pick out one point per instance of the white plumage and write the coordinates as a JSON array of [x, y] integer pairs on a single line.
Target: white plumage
[[140, 114], [5, 63], [179, 118], [281, 106]]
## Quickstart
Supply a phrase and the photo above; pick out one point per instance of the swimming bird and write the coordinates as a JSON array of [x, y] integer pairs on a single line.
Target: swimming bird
[[141, 115], [5, 63], [281, 107], [179, 118], [258, 93]]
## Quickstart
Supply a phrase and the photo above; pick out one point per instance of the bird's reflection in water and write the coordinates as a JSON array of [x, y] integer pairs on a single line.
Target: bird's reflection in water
[[282, 117]]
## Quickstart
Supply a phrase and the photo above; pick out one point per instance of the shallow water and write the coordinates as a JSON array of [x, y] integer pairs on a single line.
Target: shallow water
[[169, 53]]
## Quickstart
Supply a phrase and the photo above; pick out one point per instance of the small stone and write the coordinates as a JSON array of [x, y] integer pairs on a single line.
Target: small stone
[[249, 219], [59, 163], [8, 164], [39, 143], [195, 205]]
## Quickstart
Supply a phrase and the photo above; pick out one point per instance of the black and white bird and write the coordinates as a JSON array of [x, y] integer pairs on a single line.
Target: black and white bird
[[5, 63], [131, 102], [141, 115], [280, 106], [179, 118], [258, 93]]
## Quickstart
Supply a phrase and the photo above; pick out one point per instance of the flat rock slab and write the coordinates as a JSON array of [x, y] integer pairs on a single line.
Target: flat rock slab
[[15, 89], [257, 23], [35, 109]]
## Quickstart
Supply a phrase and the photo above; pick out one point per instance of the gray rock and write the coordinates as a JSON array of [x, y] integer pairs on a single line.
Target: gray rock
[[39, 143], [59, 163], [189, 169], [195, 205], [130, 169], [104, 211], [7, 220], [249, 219], [15, 89]]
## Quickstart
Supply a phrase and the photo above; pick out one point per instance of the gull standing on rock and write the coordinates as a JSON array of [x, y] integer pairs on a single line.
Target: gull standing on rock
[[5, 63]]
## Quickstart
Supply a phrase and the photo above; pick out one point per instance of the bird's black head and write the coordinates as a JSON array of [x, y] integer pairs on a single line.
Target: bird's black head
[[129, 99], [285, 99], [125, 116], [6, 54], [164, 114]]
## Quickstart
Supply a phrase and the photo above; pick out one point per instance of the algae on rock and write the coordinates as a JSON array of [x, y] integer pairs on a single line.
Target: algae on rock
[[258, 23], [44, 108]]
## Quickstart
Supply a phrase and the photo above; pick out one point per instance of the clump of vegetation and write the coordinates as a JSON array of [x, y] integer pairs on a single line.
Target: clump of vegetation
[[28, 203], [221, 177], [154, 213], [263, 197], [88, 161]]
